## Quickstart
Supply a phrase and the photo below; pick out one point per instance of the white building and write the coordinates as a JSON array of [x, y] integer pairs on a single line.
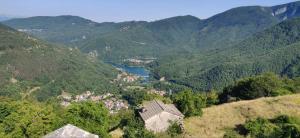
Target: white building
[[157, 115]]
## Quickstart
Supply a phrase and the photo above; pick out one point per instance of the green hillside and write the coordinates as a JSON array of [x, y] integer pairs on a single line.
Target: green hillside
[[27, 63], [175, 35], [275, 49], [69, 30], [202, 54]]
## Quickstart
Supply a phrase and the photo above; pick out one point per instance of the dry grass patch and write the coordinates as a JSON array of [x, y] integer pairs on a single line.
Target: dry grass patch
[[217, 118], [118, 133]]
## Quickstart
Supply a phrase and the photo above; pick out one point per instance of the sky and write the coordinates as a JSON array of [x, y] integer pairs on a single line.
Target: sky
[[125, 10]]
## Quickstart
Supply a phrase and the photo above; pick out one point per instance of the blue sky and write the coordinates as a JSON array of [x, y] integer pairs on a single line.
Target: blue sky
[[125, 10]]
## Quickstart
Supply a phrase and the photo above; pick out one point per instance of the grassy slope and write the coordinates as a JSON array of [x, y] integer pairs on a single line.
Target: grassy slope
[[217, 118]]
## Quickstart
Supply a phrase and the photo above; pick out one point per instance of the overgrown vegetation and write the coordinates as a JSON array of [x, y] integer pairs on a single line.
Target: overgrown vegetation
[[93, 117], [280, 127], [189, 103], [265, 85], [174, 129], [27, 119]]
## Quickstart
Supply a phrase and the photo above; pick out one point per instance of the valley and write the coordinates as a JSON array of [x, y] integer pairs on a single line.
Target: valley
[[233, 74]]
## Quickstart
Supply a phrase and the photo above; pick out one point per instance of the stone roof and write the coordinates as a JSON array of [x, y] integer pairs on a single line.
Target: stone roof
[[156, 107], [70, 131]]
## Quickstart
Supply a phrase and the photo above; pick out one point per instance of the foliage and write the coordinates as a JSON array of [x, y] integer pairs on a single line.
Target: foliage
[[264, 85], [232, 134], [11, 90], [174, 129], [133, 127], [282, 126], [137, 97], [189, 103], [90, 116], [261, 128], [27, 119], [212, 98]]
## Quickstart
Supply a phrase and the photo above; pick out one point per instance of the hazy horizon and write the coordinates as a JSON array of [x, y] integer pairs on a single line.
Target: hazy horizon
[[124, 10]]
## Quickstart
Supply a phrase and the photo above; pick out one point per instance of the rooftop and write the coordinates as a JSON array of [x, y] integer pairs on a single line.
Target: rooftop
[[155, 107], [70, 131]]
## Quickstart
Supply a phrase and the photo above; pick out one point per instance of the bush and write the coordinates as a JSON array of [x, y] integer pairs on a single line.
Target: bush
[[264, 85], [174, 129], [212, 98], [189, 103], [133, 127], [282, 127], [90, 116], [27, 119], [261, 128]]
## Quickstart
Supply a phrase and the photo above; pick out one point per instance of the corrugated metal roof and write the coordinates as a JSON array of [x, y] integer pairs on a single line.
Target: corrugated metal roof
[[155, 107], [70, 131]]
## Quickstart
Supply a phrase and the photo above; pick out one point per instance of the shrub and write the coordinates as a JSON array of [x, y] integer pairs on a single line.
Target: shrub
[[189, 103], [282, 127], [264, 85], [174, 129]]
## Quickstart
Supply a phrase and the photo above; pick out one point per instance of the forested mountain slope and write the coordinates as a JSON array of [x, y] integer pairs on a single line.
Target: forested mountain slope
[[67, 29], [112, 40], [26, 63], [276, 49], [181, 34]]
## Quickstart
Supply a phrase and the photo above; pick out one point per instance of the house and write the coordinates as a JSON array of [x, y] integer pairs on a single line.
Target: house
[[157, 115], [70, 131]]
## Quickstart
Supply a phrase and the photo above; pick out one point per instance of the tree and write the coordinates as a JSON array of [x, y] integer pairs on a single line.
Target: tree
[[211, 98], [29, 119], [264, 85], [134, 128], [89, 116], [135, 97], [189, 103]]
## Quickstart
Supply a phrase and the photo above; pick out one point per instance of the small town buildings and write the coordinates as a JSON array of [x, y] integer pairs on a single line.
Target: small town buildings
[[70, 131], [111, 102], [83, 97], [158, 92], [157, 115]]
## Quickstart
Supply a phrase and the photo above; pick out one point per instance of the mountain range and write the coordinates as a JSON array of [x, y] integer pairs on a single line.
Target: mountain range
[[199, 53]]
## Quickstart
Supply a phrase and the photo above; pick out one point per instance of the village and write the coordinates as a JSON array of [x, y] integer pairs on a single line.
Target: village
[[111, 101], [155, 114]]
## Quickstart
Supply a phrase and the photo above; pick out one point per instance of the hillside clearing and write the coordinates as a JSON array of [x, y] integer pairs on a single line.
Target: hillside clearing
[[217, 118]]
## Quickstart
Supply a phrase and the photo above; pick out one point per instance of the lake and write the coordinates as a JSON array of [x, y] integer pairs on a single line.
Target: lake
[[136, 70]]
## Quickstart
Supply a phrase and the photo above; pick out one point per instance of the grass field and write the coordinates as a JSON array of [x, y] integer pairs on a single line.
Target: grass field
[[218, 118]]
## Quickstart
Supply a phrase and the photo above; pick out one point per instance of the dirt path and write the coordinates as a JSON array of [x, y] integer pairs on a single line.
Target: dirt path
[[31, 91]]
